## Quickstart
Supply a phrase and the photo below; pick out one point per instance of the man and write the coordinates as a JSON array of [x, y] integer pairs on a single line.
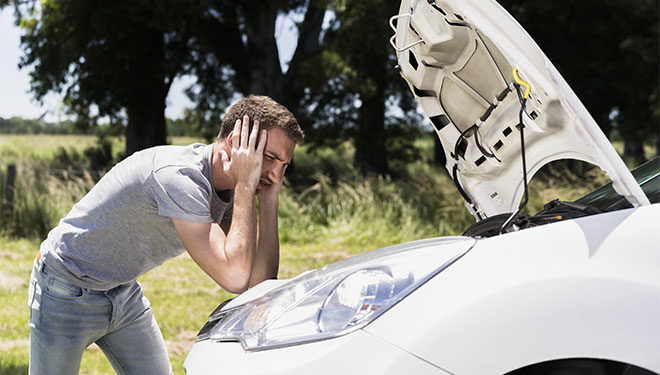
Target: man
[[147, 209]]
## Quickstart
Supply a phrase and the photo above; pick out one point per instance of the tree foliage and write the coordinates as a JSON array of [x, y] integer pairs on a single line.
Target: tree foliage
[[608, 52], [17, 125], [236, 53], [115, 59], [354, 90], [118, 59]]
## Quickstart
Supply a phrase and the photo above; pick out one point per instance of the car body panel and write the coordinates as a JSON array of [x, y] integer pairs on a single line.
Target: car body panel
[[357, 353], [570, 289], [458, 57]]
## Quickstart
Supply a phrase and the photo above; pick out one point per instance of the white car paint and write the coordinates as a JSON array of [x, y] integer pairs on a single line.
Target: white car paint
[[356, 353], [584, 288]]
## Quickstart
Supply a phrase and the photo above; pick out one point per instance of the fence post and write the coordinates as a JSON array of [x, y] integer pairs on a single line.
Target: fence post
[[2, 199], [11, 178]]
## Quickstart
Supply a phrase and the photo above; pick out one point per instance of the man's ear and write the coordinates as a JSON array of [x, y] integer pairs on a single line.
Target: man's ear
[[230, 139]]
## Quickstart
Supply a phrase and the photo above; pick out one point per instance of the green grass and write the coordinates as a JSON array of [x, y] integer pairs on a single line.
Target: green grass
[[45, 146], [181, 296], [15, 265]]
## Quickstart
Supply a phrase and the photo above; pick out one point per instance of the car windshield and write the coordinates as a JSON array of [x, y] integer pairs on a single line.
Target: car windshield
[[606, 199]]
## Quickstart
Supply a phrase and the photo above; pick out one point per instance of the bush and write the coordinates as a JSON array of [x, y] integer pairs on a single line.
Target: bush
[[328, 202], [376, 211], [46, 187], [41, 198]]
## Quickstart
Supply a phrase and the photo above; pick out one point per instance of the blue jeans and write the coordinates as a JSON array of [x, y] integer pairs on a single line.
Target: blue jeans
[[65, 319]]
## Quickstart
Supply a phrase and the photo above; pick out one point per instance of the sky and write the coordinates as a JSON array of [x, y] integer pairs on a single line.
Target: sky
[[15, 99]]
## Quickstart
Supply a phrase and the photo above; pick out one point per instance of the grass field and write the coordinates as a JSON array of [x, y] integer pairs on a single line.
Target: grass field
[[44, 146], [181, 295], [320, 223]]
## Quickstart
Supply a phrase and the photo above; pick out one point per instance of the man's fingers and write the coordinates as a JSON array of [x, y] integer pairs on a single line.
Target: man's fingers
[[244, 132], [225, 159], [262, 142], [236, 134], [253, 135]]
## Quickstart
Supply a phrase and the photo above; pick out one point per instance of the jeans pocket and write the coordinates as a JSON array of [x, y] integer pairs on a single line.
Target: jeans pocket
[[34, 303], [60, 289]]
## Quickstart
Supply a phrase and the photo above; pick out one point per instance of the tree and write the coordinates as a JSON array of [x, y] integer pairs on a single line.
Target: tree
[[236, 52], [17, 125], [336, 85], [608, 51], [122, 58], [355, 90], [115, 59]]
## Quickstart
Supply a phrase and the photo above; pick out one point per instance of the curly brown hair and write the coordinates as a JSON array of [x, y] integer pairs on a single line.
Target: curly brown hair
[[267, 111]]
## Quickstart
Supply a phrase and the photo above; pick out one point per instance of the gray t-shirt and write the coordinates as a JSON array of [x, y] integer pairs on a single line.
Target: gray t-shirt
[[122, 228]]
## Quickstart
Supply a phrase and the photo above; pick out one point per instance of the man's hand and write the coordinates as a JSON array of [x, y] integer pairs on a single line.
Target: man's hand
[[269, 193], [244, 164]]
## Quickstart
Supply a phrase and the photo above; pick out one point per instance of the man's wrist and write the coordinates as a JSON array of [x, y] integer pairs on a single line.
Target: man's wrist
[[267, 202], [245, 187]]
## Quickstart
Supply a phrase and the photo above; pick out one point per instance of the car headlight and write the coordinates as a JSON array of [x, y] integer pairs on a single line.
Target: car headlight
[[336, 299]]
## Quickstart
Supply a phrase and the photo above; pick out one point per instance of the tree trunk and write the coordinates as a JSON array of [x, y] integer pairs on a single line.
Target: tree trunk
[[265, 70], [146, 94], [308, 45], [370, 151], [633, 152], [146, 124]]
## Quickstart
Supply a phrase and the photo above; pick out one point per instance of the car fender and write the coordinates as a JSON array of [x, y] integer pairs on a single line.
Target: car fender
[[584, 288]]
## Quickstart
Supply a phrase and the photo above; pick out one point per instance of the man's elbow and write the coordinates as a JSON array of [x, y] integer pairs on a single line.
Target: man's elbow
[[237, 273], [244, 283], [239, 283], [236, 289]]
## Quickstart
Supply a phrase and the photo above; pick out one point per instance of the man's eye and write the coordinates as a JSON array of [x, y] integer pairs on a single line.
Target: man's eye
[[269, 157]]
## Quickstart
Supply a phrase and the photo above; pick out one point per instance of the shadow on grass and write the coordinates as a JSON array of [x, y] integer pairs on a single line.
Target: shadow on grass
[[14, 369]]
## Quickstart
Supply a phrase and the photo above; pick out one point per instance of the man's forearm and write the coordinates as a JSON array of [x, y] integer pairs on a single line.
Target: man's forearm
[[240, 243], [227, 255], [267, 257]]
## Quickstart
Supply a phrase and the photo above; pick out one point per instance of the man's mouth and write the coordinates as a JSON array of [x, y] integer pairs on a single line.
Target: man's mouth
[[263, 184]]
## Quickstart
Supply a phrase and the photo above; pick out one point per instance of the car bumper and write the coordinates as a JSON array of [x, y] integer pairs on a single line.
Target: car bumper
[[358, 352]]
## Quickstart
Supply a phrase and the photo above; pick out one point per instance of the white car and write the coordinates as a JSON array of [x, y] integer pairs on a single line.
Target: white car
[[574, 289]]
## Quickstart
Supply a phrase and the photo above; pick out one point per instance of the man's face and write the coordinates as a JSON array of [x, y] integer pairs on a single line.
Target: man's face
[[277, 156]]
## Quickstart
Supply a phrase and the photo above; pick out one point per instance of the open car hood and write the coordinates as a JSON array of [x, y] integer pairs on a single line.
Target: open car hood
[[458, 58]]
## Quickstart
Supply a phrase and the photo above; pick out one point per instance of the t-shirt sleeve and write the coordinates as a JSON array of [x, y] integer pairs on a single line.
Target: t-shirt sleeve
[[225, 220], [182, 193]]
